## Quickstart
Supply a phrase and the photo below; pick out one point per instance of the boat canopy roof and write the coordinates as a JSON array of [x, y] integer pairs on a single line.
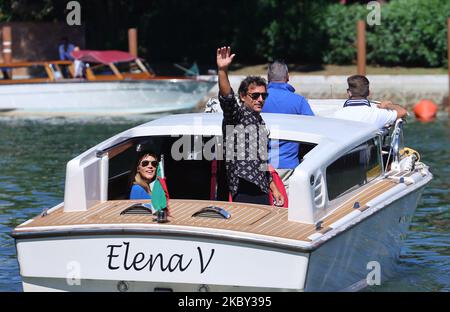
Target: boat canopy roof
[[103, 57], [329, 138], [312, 129]]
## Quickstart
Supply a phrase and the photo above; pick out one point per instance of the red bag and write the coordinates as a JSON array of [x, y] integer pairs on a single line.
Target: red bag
[[278, 182]]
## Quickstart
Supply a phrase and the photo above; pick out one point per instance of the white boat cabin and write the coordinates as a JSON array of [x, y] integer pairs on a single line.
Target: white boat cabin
[[336, 158]]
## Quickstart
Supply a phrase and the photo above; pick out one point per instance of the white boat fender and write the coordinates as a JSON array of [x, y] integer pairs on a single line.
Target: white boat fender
[[406, 164]]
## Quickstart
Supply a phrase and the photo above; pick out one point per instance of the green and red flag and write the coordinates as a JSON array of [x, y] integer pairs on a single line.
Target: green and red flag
[[160, 194]]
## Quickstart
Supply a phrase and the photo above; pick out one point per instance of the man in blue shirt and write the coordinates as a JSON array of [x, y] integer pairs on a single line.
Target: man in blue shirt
[[65, 50], [283, 155]]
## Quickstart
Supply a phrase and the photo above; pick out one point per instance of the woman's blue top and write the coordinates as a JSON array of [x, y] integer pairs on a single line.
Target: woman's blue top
[[138, 192]]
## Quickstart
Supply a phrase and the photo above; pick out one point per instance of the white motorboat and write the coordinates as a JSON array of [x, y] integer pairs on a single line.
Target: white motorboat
[[114, 83], [346, 219], [113, 98]]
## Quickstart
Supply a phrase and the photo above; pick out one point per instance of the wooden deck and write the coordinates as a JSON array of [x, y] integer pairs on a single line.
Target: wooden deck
[[256, 219]]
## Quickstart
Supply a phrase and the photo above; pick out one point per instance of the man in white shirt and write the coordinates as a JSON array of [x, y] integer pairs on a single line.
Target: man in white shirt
[[359, 108]]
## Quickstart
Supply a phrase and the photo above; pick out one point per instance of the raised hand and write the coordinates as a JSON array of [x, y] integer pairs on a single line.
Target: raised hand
[[224, 58]]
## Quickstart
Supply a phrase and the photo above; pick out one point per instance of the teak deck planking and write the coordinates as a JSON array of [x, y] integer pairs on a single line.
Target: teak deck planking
[[249, 218]]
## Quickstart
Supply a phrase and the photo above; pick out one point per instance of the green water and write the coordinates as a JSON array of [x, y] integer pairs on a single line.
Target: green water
[[34, 152]]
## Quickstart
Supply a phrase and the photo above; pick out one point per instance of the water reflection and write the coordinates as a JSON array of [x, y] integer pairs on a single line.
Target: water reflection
[[33, 154], [424, 264]]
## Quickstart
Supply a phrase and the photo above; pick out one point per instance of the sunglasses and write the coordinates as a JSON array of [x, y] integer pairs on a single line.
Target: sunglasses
[[145, 163], [256, 95]]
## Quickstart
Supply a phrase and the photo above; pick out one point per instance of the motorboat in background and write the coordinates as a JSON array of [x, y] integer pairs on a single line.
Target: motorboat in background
[[349, 210], [113, 83]]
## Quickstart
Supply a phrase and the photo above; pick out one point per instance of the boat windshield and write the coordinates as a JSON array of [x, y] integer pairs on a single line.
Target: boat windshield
[[101, 69], [37, 71], [29, 72], [129, 67]]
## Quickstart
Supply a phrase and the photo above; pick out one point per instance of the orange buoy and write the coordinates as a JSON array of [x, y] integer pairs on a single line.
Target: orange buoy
[[425, 110]]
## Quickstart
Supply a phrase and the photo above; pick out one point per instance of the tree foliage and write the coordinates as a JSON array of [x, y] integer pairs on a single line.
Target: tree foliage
[[412, 32], [29, 10]]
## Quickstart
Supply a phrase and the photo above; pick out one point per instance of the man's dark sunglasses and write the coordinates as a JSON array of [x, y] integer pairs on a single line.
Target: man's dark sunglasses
[[145, 163], [256, 95]]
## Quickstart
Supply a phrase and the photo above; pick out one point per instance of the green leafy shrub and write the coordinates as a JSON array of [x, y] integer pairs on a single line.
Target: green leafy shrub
[[291, 30], [340, 29], [412, 32]]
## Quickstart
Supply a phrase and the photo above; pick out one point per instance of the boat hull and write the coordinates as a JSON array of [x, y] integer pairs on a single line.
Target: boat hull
[[146, 263], [365, 254], [103, 98], [349, 261]]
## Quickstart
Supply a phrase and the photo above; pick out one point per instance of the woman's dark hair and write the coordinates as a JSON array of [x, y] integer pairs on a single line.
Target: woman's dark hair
[[251, 80], [133, 172]]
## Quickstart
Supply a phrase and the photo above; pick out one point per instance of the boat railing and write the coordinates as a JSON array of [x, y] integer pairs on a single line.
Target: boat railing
[[28, 64], [53, 70], [396, 143]]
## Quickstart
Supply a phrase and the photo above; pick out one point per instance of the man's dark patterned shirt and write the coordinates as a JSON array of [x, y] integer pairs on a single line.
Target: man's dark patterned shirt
[[245, 146]]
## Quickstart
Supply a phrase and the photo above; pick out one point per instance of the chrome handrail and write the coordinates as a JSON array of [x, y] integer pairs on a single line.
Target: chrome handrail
[[396, 137]]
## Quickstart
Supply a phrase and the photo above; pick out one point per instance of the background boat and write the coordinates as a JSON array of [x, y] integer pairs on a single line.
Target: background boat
[[102, 98], [113, 83]]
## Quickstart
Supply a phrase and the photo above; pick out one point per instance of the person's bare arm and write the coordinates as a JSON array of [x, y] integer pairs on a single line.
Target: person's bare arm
[[277, 196], [401, 111], [224, 59]]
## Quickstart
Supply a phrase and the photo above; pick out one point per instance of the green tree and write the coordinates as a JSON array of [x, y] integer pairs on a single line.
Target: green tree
[[412, 33]]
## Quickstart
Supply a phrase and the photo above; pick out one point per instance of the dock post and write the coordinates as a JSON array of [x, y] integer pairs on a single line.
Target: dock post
[[132, 41], [361, 47], [7, 50], [448, 65]]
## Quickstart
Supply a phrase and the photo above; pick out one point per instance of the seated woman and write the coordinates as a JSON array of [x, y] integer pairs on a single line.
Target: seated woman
[[143, 176]]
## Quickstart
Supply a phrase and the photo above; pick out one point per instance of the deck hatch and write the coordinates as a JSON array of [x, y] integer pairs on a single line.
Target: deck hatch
[[212, 212], [139, 209]]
